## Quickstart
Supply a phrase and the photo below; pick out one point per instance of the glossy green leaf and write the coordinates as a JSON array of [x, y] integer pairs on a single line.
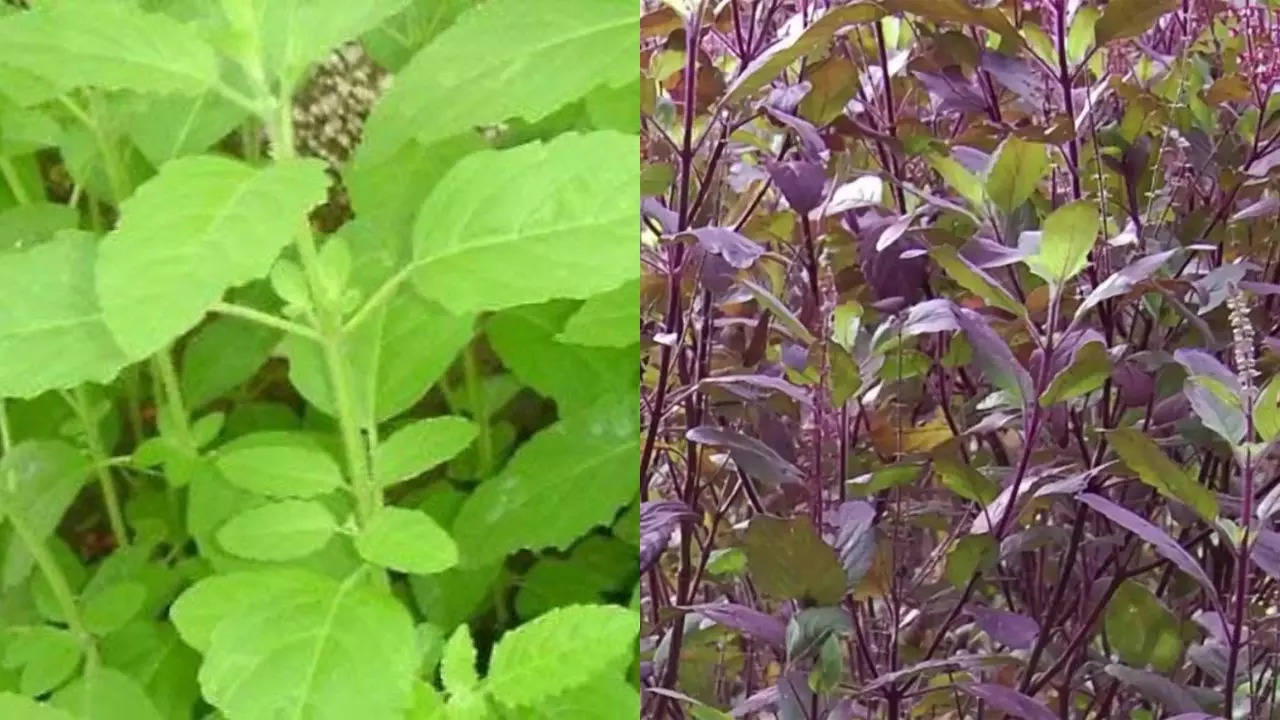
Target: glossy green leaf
[[563, 481], [505, 59], [420, 446], [610, 319], [407, 540], [560, 650], [52, 332], [1086, 372], [1017, 169], [564, 213], [278, 531], [320, 650], [167, 262], [108, 45], [279, 464], [1157, 470], [1065, 241], [788, 560]]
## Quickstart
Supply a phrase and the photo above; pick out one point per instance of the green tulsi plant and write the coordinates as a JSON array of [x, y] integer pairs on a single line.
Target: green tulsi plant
[[258, 463]]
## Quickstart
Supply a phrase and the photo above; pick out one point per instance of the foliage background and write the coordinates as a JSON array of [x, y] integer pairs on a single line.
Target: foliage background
[[376, 464], [960, 349]]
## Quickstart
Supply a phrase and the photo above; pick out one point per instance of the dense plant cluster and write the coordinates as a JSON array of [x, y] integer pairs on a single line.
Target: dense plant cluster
[[254, 466], [960, 347]]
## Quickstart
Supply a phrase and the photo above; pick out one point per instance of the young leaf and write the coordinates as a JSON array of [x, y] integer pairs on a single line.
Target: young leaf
[[278, 531], [321, 650], [1157, 470], [458, 665], [279, 464], [110, 45], [505, 59], [420, 446], [407, 540], [1065, 241], [472, 232], [568, 478], [1018, 168], [560, 650], [1088, 369], [52, 334], [167, 262]]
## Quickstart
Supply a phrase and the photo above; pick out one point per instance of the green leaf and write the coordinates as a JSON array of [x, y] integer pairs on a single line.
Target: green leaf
[[788, 560], [20, 707], [167, 262], [560, 224], [458, 665], [560, 650], [298, 33], [1217, 407], [566, 479], [152, 654], [967, 556], [109, 45], [955, 11], [419, 446], [106, 694], [610, 319], [52, 333], [968, 185], [319, 650], [595, 566], [1157, 470], [960, 477], [1266, 410], [975, 280], [279, 464], [407, 540], [278, 531], [47, 656], [1141, 629], [603, 698], [396, 354], [505, 59], [39, 480], [1088, 369], [109, 608], [203, 606], [26, 226], [575, 376], [1123, 19], [221, 355], [170, 126], [803, 41], [1066, 238], [1018, 168]]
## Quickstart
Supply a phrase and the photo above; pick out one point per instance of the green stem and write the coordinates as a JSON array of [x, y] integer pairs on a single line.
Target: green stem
[[44, 559], [257, 316], [10, 174], [479, 409], [333, 340], [79, 403], [168, 373]]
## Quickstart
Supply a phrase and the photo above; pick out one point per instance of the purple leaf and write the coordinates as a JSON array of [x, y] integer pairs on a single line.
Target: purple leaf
[[756, 387], [1157, 688], [752, 456], [1265, 552], [953, 90], [812, 147], [1194, 716], [856, 540], [1159, 539], [1008, 700], [734, 248], [960, 661], [994, 357], [887, 271], [1199, 362], [658, 519], [659, 213], [937, 315], [801, 183], [1123, 281], [761, 626], [987, 254], [1266, 206], [1016, 631], [766, 698]]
